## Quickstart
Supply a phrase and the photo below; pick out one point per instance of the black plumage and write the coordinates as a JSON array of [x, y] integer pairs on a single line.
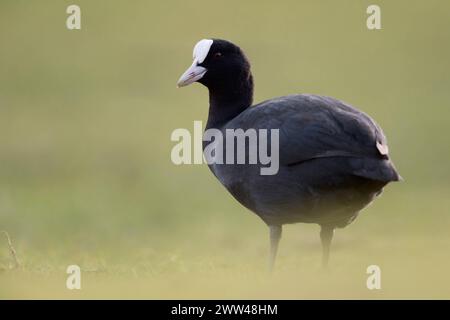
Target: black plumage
[[333, 158]]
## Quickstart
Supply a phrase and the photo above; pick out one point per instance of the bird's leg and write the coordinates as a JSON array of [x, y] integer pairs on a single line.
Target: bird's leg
[[326, 235], [275, 236]]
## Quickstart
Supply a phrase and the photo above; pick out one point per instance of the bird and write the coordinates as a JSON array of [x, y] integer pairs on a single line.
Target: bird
[[333, 158]]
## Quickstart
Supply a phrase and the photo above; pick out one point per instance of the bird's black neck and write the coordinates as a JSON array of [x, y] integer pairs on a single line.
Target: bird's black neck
[[228, 101]]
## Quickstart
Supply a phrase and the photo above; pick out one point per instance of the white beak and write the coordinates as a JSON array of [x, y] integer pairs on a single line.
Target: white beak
[[194, 73]]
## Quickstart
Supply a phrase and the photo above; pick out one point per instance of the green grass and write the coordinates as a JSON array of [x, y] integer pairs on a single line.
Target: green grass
[[85, 170]]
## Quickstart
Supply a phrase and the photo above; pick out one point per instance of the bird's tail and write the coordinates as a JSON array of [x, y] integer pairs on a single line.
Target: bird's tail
[[377, 169]]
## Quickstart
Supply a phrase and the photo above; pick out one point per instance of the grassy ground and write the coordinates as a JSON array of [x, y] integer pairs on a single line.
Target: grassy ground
[[85, 170]]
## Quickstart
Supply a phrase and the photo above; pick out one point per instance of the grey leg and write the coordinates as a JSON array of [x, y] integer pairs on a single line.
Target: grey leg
[[275, 236], [326, 235]]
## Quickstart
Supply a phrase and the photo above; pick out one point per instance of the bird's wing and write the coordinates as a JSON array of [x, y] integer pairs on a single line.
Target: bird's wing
[[312, 127], [325, 127]]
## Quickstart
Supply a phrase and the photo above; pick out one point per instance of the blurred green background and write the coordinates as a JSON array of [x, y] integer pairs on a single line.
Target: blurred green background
[[85, 170]]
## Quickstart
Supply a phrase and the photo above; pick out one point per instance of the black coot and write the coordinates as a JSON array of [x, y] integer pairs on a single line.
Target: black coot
[[333, 159]]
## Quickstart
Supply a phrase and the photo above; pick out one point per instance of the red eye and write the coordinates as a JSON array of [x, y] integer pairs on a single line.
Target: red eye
[[217, 55]]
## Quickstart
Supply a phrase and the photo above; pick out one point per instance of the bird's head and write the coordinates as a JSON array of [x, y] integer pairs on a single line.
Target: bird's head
[[217, 64]]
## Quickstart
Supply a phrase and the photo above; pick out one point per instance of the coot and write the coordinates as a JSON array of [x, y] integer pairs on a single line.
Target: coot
[[333, 158]]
